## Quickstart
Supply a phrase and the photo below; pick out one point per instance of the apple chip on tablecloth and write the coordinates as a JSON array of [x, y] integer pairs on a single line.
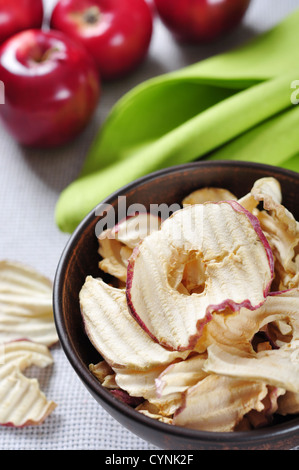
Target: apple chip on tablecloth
[[22, 402], [25, 305], [27, 331]]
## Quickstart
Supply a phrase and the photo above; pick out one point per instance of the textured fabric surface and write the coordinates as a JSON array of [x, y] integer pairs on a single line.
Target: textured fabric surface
[[30, 183]]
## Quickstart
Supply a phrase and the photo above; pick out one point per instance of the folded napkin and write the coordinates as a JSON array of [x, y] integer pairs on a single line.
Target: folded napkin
[[235, 105]]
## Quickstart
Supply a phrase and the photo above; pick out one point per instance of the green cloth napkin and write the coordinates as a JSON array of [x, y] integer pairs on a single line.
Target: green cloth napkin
[[235, 105]]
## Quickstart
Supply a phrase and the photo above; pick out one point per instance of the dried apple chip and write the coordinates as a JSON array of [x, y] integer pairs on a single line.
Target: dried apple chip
[[276, 367], [104, 373], [135, 228], [288, 403], [129, 352], [115, 333], [179, 376], [143, 384], [158, 417], [208, 195], [265, 189], [25, 305], [112, 261], [229, 329], [116, 244], [22, 403], [277, 318], [236, 270], [218, 403], [101, 370], [280, 228], [150, 410], [283, 237], [258, 419], [139, 383]]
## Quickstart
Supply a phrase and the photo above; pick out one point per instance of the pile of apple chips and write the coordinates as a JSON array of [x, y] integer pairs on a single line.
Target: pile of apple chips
[[201, 329], [27, 331]]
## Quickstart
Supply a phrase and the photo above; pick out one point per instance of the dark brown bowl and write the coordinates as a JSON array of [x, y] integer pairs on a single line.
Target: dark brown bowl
[[80, 258]]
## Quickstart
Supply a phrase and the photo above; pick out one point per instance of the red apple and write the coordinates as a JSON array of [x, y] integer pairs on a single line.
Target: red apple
[[152, 6], [18, 15], [116, 32], [51, 87], [201, 20]]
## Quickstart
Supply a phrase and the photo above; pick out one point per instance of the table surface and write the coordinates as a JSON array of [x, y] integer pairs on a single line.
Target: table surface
[[30, 184]]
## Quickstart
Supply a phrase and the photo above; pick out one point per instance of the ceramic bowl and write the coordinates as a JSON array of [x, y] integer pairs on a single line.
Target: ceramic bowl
[[80, 258]]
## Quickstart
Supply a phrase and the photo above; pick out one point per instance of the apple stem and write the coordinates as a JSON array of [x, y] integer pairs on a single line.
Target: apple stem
[[92, 15], [47, 54]]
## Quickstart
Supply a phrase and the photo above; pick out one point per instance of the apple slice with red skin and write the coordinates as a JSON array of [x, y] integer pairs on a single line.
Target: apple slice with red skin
[[116, 244], [114, 333], [235, 270]]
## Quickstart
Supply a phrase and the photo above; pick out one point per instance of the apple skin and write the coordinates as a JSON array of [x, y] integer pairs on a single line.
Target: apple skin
[[201, 21], [117, 33], [51, 86], [18, 15]]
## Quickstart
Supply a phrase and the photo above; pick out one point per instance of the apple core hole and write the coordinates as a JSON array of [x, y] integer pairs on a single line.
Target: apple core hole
[[194, 278], [92, 15], [188, 275]]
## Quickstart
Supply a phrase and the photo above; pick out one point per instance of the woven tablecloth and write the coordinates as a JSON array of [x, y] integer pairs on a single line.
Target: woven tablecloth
[[30, 183]]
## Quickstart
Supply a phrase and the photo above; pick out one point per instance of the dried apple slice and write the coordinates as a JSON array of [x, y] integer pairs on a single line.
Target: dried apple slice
[[177, 377], [25, 305], [135, 228], [101, 370], [236, 270], [158, 417], [265, 189], [208, 195], [218, 403], [150, 410], [113, 331], [143, 384], [139, 383], [260, 419], [276, 367], [288, 404], [277, 317], [116, 244], [280, 228], [282, 232], [229, 329], [21, 354], [22, 403], [112, 261], [104, 373]]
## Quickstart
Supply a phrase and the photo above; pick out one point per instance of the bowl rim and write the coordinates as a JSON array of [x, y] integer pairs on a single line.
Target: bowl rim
[[95, 388]]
